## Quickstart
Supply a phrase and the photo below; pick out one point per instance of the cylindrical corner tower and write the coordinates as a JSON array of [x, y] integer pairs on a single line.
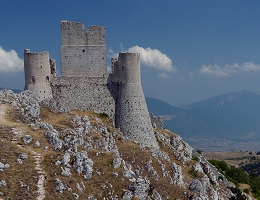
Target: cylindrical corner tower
[[37, 72], [132, 115]]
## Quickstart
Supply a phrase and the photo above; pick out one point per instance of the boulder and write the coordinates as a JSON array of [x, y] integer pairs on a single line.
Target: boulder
[[196, 186], [27, 139], [83, 164], [37, 144]]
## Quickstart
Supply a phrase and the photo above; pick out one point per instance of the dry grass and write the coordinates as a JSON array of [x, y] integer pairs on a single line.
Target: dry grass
[[99, 185], [25, 172]]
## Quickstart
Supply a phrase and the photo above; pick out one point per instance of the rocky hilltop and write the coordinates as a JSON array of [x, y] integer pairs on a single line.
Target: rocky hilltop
[[81, 155]]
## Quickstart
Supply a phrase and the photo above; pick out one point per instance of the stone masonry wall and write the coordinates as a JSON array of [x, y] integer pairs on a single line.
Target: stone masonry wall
[[72, 33], [83, 52], [84, 93], [37, 73]]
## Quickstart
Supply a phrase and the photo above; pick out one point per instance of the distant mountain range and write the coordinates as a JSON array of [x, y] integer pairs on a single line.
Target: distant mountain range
[[228, 117]]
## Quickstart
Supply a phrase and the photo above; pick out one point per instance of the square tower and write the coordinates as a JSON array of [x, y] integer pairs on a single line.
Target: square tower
[[83, 52]]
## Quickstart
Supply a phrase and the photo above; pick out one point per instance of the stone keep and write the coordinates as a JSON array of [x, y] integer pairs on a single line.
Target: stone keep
[[85, 83], [83, 52]]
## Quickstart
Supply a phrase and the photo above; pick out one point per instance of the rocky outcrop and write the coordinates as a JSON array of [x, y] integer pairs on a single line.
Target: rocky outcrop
[[88, 158]]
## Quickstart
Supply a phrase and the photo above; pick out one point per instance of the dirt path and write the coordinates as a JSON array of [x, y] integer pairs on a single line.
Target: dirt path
[[2, 113], [17, 134], [41, 174]]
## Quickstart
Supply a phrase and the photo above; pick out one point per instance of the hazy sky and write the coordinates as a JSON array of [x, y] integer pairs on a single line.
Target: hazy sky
[[190, 50]]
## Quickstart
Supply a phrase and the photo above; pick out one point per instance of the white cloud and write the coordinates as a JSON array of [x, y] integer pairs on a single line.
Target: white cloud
[[9, 61], [163, 75], [153, 58], [228, 70], [213, 70]]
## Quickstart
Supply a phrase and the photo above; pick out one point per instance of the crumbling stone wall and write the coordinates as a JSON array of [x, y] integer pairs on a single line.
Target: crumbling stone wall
[[85, 93]]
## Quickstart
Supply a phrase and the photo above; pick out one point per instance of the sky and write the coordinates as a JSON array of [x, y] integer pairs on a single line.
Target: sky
[[190, 50]]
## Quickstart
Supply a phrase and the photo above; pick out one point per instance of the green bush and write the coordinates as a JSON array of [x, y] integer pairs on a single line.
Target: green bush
[[220, 165], [195, 158], [193, 172], [255, 186], [199, 151], [237, 175]]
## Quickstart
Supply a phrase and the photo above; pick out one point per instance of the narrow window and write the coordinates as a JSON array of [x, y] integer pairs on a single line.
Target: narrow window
[[33, 79], [47, 78]]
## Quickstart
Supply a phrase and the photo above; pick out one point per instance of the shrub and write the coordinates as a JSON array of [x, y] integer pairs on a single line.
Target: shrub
[[193, 172], [219, 164], [195, 158], [237, 175], [199, 151], [103, 115]]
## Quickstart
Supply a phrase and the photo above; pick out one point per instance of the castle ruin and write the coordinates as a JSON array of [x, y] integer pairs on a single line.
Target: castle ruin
[[85, 83]]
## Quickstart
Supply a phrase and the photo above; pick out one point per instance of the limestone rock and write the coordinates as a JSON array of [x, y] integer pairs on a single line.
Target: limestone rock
[[46, 126], [177, 175], [65, 159], [127, 195], [27, 139], [59, 186], [129, 174], [3, 183], [83, 164], [2, 166], [37, 144], [116, 163], [115, 174], [196, 186], [54, 140], [66, 171], [140, 187], [23, 156]]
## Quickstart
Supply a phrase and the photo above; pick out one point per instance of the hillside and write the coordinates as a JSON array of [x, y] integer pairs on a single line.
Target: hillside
[[81, 155], [225, 122]]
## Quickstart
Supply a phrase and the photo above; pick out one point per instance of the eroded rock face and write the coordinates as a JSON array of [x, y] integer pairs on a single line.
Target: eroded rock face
[[177, 175]]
